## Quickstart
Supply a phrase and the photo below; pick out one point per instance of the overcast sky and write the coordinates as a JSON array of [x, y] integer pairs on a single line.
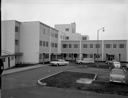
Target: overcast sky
[[89, 15]]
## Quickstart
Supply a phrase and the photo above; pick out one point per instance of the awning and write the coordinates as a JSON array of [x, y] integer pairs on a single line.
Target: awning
[[15, 54]]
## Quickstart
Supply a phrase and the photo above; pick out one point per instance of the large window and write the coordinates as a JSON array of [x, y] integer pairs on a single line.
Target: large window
[[97, 45], [91, 45], [85, 46], [16, 29], [121, 45], [75, 45], [108, 45], [114, 45], [46, 44], [67, 37], [65, 46], [70, 46], [56, 45], [84, 38], [16, 42], [66, 29], [56, 35]]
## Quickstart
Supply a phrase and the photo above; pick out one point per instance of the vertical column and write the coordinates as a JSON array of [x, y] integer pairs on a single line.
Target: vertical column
[[102, 50]]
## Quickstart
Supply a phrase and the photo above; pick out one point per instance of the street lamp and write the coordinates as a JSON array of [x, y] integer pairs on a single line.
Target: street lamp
[[97, 56]]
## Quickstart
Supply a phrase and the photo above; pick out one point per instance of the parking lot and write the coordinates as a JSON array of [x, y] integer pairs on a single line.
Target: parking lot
[[24, 84], [100, 85]]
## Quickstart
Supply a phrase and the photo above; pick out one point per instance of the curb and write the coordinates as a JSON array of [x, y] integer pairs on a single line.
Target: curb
[[21, 69], [44, 84]]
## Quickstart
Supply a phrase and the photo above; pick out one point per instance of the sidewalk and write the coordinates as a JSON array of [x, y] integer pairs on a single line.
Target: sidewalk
[[22, 69]]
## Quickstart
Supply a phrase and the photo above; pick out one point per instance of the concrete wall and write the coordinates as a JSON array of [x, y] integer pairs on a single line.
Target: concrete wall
[[8, 37], [62, 27], [72, 49], [102, 50], [30, 42]]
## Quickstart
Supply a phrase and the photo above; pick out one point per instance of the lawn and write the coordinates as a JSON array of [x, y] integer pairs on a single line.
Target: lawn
[[68, 79]]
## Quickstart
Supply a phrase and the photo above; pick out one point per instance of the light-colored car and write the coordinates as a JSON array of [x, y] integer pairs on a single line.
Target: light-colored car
[[59, 62], [115, 64], [85, 60], [117, 75]]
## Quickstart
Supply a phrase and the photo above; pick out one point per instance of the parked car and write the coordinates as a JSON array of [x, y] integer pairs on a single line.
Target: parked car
[[117, 75], [115, 64], [85, 60], [59, 62]]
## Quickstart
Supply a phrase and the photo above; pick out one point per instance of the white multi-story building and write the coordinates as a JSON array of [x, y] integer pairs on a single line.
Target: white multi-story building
[[35, 42], [11, 53], [39, 42], [28, 42]]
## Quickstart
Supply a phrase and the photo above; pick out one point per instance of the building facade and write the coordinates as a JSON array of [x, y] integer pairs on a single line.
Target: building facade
[[10, 43], [39, 42], [98, 50], [35, 42]]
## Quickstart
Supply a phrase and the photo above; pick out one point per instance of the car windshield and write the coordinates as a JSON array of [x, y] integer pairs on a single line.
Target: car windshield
[[117, 71], [60, 60], [117, 63]]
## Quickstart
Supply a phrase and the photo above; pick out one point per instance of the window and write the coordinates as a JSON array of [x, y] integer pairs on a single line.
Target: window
[[16, 42], [114, 45], [56, 35], [16, 29], [67, 29], [12, 58], [97, 45], [46, 44], [70, 46], [75, 45], [40, 43], [40, 56], [91, 45], [108, 45], [84, 38], [85, 45], [65, 46], [44, 31], [67, 37], [121, 45], [56, 45]]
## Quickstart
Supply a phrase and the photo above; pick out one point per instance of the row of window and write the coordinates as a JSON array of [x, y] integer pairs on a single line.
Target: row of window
[[54, 45], [55, 35], [46, 44], [70, 46], [92, 46]]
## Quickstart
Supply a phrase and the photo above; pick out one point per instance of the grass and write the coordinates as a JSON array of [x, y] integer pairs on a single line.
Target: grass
[[68, 79]]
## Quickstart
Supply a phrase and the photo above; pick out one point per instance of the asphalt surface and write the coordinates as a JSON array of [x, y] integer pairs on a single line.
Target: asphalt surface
[[24, 84]]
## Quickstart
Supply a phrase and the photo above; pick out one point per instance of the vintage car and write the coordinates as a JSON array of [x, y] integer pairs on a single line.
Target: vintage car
[[85, 60], [59, 62], [115, 64], [118, 75]]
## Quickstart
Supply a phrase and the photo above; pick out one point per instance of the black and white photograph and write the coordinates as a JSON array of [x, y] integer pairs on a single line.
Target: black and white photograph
[[64, 49]]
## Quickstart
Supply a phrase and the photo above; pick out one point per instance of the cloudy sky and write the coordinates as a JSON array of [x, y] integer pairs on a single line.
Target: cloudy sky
[[89, 15]]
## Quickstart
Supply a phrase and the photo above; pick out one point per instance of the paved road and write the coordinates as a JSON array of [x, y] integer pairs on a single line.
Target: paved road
[[24, 85]]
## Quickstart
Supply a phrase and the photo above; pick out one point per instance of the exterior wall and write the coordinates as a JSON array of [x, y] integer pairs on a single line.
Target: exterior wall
[[54, 40], [102, 50], [62, 27], [30, 42], [8, 42], [116, 51], [8, 37], [72, 49]]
